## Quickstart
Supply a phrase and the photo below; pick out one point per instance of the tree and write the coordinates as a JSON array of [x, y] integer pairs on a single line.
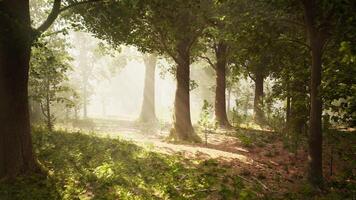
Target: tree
[[220, 50], [157, 26], [222, 37], [257, 56], [220, 97], [15, 43], [48, 71], [87, 58], [246, 30], [321, 21], [148, 113], [16, 37]]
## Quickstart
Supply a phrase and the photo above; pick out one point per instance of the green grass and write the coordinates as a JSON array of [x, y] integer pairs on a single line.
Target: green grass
[[82, 166], [253, 138]]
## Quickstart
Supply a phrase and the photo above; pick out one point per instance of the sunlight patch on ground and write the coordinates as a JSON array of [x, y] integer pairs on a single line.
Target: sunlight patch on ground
[[156, 143], [200, 152], [250, 161], [219, 146]]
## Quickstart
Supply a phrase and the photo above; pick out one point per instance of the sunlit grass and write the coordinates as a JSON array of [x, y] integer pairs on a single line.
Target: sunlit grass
[[84, 166]]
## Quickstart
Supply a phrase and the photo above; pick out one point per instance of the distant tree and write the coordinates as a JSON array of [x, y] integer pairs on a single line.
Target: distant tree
[[94, 62], [256, 56], [219, 64], [220, 38], [148, 113], [157, 26], [50, 63], [87, 58]]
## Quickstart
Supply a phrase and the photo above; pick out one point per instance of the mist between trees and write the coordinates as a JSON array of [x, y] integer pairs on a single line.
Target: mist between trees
[[239, 79]]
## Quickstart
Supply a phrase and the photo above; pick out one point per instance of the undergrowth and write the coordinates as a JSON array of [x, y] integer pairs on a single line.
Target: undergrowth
[[82, 166]]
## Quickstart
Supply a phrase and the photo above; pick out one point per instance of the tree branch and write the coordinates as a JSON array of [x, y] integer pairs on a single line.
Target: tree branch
[[208, 60], [50, 19], [296, 42], [77, 4], [43, 110], [251, 77], [54, 33], [56, 10], [161, 41], [296, 23], [248, 73]]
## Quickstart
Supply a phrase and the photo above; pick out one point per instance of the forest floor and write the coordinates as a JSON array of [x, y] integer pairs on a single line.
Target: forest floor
[[257, 156], [113, 160]]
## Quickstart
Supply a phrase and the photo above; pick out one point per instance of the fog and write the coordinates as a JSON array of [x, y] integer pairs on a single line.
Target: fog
[[124, 93], [117, 81]]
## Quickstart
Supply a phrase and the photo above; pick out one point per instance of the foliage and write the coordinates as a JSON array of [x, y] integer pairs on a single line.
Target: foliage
[[154, 26], [84, 166], [237, 118], [50, 64], [339, 85], [252, 138], [243, 102], [265, 38], [205, 119]]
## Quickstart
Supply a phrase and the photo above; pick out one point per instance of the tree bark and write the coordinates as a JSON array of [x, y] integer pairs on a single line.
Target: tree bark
[[288, 110], [317, 40], [258, 101], [228, 106], [148, 113], [297, 119], [16, 155], [220, 96], [183, 129], [288, 104], [315, 132], [48, 111]]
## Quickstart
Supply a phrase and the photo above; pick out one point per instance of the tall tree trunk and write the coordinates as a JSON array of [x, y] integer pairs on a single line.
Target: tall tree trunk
[[48, 106], [183, 129], [228, 106], [16, 155], [317, 40], [48, 111], [258, 101], [288, 109], [148, 113], [85, 99], [220, 97], [315, 133], [297, 118], [288, 103]]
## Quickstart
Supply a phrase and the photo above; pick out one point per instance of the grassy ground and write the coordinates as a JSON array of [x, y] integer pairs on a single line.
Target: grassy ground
[[86, 166]]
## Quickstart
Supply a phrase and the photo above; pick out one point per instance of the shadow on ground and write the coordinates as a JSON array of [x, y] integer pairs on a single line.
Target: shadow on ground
[[89, 167]]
